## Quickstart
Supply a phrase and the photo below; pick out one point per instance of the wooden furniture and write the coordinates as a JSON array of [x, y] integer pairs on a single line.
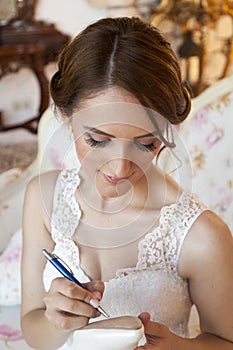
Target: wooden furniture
[[33, 44], [12, 58]]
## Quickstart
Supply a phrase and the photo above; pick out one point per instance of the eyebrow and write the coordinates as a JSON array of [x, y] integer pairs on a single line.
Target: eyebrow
[[97, 131], [145, 135], [100, 132]]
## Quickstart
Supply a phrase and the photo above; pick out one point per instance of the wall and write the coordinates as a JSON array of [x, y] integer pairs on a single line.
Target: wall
[[70, 16]]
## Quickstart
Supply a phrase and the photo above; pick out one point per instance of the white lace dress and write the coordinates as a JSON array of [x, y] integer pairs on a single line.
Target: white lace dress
[[154, 284]]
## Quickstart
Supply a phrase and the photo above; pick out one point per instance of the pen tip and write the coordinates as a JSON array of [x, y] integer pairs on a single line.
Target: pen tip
[[102, 311]]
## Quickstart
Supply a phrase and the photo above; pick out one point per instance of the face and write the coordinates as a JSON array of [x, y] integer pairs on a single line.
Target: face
[[115, 141]]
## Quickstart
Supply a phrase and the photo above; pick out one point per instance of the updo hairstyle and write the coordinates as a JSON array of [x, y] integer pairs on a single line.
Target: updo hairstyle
[[123, 52]]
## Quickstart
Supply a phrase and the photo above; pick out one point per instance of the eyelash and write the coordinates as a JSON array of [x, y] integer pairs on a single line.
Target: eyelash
[[93, 143], [146, 148]]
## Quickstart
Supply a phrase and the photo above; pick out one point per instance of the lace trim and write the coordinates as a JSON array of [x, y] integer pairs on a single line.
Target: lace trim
[[66, 215], [66, 212], [159, 248]]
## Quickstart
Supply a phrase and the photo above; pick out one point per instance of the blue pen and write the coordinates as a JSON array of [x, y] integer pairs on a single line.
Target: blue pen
[[64, 269]]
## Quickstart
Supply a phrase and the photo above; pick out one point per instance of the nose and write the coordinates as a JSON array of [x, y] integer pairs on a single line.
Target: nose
[[121, 162], [120, 167]]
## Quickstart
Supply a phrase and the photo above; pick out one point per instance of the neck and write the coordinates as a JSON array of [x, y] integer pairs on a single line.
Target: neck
[[135, 197], [104, 205]]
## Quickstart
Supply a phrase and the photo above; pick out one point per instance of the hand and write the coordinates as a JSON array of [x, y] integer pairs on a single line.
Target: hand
[[158, 336], [68, 306]]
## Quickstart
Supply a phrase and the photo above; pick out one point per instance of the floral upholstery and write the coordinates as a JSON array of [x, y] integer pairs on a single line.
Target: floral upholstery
[[208, 137], [204, 148]]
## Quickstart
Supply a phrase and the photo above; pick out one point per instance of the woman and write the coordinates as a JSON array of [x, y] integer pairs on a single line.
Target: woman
[[144, 246]]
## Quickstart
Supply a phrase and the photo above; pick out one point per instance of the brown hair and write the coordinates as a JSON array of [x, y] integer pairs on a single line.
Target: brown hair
[[123, 52]]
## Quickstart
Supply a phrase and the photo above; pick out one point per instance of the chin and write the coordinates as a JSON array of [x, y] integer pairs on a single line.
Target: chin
[[118, 190]]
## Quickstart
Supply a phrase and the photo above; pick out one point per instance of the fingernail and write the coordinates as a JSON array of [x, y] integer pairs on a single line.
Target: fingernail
[[94, 303], [97, 294]]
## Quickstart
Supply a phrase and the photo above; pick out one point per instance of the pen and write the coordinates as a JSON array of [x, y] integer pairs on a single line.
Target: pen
[[67, 272]]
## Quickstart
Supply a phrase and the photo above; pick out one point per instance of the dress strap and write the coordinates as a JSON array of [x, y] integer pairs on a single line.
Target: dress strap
[[66, 212], [161, 248], [64, 221], [184, 214]]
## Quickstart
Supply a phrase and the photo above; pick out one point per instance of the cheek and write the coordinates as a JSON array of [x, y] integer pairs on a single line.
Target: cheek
[[87, 155], [144, 161]]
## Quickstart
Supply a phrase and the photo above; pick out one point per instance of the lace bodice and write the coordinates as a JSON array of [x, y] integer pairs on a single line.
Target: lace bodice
[[154, 284]]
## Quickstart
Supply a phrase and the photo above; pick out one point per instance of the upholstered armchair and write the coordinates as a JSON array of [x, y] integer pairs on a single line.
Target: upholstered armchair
[[203, 162], [207, 135]]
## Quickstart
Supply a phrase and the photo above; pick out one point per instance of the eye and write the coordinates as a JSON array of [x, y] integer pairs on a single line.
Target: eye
[[93, 142], [146, 148]]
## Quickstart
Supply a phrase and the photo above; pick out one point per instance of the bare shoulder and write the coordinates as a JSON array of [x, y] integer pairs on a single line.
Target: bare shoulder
[[41, 183], [208, 239], [211, 230], [40, 191], [206, 261]]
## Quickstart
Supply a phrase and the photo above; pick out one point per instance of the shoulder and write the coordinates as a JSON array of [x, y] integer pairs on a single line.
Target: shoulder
[[39, 193], [207, 263], [210, 230], [208, 241], [214, 234], [41, 188], [42, 182]]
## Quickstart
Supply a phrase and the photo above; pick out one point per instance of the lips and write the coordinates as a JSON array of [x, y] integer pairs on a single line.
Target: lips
[[113, 180]]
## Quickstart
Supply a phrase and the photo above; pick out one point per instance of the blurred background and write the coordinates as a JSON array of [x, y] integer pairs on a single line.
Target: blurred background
[[32, 33]]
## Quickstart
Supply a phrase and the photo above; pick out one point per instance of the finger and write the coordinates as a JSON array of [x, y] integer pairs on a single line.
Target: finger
[[145, 318], [152, 328], [70, 289], [96, 287], [64, 321], [155, 329], [69, 305]]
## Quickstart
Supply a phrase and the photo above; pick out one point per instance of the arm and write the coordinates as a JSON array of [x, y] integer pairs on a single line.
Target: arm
[[207, 262], [66, 306]]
